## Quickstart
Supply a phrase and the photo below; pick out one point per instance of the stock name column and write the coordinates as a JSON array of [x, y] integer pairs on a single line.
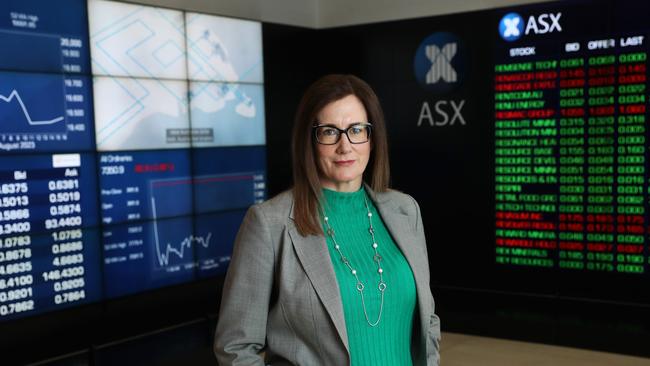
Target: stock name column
[[525, 169], [572, 151], [631, 172]]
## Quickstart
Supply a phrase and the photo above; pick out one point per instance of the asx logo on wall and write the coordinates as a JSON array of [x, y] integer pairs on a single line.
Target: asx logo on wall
[[439, 66], [439, 62], [511, 26]]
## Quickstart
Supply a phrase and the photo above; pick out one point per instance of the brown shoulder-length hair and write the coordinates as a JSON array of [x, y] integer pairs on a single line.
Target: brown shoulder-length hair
[[306, 182]]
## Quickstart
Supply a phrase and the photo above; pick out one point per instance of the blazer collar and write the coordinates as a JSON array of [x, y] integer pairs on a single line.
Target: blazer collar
[[313, 254]]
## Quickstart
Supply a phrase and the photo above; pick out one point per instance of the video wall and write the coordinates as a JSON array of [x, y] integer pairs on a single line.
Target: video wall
[[132, 141]]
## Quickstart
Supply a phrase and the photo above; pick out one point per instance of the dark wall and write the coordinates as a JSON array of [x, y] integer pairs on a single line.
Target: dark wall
[[291, 62]]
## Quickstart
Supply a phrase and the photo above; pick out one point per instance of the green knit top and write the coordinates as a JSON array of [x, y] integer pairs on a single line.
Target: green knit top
[[388, 343]]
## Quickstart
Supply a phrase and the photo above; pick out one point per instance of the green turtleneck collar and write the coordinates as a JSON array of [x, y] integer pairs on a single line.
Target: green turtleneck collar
[[344, 201]]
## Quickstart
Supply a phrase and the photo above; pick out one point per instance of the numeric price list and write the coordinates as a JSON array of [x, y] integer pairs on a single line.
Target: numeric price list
[[49, 255], [571, 185]]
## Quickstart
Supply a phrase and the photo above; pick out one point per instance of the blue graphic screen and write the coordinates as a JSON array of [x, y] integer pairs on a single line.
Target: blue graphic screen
[[228, 178], [149, 254], [155, 233], [143, 185], [45, 112], [108, 187], [56, 32], [221, 229]]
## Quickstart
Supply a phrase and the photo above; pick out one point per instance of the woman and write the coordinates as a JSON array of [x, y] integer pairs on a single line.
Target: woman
[[334, 271]]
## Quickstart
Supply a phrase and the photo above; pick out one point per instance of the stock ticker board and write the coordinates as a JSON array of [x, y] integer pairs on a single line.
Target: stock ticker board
[[49, 243], [122, 193], [570, 140]]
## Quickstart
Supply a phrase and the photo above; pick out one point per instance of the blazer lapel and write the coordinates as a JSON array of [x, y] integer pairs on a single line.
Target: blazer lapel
[[400, 229], [315, 258], [397, 223]]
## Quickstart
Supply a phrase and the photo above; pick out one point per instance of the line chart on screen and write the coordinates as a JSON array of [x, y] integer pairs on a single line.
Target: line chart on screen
[[164, 251]]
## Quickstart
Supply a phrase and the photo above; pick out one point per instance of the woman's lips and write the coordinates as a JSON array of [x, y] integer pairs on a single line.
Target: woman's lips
[[344, 162]]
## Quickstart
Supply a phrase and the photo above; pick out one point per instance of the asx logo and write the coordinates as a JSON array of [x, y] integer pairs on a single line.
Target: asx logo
[[439, 62], [439, 65], [511, 26]]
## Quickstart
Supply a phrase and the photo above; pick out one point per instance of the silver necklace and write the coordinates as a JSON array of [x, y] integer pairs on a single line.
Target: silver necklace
[[376, 258]]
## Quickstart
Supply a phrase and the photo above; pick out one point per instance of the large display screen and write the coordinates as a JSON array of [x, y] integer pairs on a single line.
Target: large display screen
[[571, 184], [132, 174]]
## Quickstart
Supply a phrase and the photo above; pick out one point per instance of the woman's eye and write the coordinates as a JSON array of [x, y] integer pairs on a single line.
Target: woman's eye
[[356, 130], [330, 132]]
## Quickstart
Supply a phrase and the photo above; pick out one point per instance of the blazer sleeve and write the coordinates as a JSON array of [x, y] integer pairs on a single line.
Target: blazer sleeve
[[433, 353], [241, 327]]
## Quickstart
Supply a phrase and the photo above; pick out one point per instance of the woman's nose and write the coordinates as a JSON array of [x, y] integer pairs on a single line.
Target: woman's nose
[[344, 143]]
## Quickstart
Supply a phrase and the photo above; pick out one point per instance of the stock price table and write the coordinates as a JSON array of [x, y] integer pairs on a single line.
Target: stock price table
[[571, 187], [48, 244]]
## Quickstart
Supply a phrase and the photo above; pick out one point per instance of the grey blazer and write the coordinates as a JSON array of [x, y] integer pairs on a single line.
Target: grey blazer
[[281, 295]]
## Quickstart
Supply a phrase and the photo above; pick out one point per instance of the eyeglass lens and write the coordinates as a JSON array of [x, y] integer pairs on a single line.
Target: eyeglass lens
[[329, 135]]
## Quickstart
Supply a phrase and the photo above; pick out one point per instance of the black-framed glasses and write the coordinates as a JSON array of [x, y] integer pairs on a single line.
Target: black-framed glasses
[[358, 133]]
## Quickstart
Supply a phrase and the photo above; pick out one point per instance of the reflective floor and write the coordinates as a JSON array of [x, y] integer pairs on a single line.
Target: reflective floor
[[465, 350]]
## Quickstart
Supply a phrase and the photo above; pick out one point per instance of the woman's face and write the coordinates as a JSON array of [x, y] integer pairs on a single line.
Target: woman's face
[[341, 165]]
